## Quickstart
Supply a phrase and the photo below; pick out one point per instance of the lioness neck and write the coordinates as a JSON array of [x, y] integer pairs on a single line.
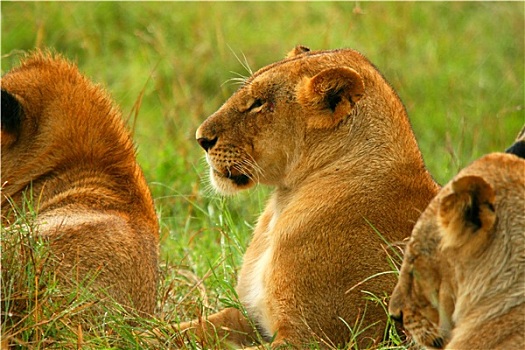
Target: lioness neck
[[364, 151]]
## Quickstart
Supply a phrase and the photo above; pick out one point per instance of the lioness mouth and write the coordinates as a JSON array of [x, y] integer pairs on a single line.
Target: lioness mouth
[[240, 180]]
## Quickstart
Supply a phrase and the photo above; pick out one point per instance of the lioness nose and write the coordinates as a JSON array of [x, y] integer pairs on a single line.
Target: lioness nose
[[206, 143]]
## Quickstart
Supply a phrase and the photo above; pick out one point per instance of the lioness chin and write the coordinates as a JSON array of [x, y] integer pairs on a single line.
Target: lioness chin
[[462, 282], [67, 151], [332, 136]]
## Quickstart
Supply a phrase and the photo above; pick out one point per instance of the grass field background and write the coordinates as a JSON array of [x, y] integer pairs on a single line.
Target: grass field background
[[458, 67]]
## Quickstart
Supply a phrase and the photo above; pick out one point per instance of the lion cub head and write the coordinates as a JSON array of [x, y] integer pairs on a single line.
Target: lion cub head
[[463, 266], [291, 117]]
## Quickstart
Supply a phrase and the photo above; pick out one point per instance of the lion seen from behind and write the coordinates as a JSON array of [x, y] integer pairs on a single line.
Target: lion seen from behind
[[66, 150]]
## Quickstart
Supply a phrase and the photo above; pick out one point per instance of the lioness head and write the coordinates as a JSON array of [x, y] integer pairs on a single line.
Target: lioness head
[[470, 232], [421, 300], [276, 127], [52, 117]]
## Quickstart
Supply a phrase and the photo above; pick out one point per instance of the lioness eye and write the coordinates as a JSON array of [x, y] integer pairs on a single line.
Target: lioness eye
[[256, 104]]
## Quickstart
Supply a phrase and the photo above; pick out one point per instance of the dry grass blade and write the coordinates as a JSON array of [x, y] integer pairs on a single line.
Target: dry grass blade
[[135, 110]]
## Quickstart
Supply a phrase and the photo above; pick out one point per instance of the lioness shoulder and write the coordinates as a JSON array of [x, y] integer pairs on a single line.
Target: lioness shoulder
[[67, 151], [332, 136], [462, 280]]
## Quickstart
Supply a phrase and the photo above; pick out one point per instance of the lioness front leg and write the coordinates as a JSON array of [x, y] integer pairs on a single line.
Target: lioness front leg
[[228, 325]]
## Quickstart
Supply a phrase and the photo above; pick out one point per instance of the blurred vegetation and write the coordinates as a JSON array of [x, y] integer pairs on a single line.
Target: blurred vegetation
[[457, 66]]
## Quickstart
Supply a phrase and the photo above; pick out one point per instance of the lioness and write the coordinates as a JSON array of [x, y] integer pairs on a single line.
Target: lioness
[[331, 135], [462, 282], [66, 149]]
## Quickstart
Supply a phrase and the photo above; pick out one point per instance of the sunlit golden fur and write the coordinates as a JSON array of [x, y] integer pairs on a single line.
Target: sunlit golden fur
[[328, 132], [462, 282], [67, 151]]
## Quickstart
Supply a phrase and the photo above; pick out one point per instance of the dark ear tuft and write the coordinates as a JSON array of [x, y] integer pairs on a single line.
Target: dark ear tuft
[[518, 149], [11, 112], [333, 100]]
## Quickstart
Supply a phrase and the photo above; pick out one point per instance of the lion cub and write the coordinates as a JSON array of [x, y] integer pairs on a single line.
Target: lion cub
[[331, 135], [65, 147], [462, 282]]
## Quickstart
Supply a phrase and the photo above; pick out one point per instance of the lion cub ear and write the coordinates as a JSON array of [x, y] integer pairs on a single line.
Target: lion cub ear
[[11, 118], [467, 214], [332, 94]]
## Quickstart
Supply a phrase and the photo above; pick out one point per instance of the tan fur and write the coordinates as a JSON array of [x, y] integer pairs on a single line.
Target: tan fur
[[69, 152], [328, 132], [462, 282]]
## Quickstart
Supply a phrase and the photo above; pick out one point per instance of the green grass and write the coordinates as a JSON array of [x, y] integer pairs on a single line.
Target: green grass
[[458, 67]]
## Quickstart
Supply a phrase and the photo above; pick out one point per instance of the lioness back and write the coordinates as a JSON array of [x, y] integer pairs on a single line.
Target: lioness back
[[462, 282], [66, 149], [331, 135]]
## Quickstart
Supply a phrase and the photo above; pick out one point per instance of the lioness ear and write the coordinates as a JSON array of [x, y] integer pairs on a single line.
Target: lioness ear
[[11, 113], [297, 51], [467, 214], [332, 93]]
